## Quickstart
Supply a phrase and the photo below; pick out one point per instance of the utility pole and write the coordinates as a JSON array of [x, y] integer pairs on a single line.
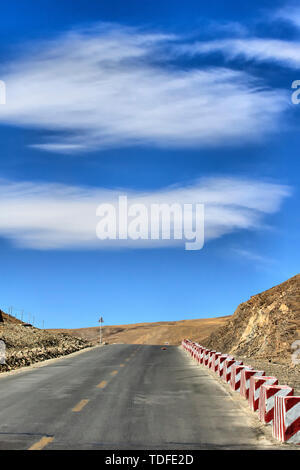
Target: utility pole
[[101, 321]]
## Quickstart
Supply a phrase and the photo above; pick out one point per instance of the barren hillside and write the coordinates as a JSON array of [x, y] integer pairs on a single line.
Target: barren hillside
[[263, 327], [26, 344], [6, 318], [151, 333]]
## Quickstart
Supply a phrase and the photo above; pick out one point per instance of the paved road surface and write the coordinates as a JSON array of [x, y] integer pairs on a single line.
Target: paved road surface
[[121, 397]]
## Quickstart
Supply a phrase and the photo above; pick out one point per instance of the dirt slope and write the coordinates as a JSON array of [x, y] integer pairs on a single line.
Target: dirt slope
[[151, 333], [6, 318], [263, 327], [26, 345]]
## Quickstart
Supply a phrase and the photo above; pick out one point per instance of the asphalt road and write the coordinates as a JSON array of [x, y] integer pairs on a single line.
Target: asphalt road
[[122, 397]]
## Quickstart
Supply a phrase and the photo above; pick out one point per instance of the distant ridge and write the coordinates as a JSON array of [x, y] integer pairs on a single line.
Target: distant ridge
[[151, 333]]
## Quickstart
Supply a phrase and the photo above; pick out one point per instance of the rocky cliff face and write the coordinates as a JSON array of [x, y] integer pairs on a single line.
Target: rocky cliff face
[[26, 345], [265, 326]]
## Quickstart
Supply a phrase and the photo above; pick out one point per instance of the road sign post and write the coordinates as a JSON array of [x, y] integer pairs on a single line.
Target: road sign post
[[101, 321]]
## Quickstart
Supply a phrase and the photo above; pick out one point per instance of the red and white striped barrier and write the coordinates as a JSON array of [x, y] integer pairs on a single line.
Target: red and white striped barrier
[[221, 361], [186, 344], [254, 390], [275, 403], [210, 359], [267, 400], [235, 379], [245, 380], [206, 357], [228, 368], [201, 356], [286, 422], [215, 361]]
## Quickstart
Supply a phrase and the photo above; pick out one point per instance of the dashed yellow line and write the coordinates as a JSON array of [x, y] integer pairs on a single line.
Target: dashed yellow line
[[114, 372], [80, 405], [41, 443], [102, 384]]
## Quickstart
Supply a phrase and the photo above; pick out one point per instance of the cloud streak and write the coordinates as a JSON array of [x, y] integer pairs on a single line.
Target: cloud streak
[[113, 87], [52, 216], [260, 50], [250, 48]]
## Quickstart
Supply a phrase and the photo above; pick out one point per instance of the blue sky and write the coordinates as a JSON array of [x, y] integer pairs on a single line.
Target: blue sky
[[161, 100]]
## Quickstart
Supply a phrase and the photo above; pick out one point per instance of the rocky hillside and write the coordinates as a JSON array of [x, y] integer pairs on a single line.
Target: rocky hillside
[[263, 327], [6, 318], [26, 345]]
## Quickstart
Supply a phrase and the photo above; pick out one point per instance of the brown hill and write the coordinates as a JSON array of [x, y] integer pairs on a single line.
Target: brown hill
[[151, 333], [263, 327], [6, 318], [26, 345]]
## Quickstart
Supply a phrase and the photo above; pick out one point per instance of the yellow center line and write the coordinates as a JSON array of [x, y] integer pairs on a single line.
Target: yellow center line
[[80, 405], [41, 443], [122, 365], [102, 384], [114, 372]]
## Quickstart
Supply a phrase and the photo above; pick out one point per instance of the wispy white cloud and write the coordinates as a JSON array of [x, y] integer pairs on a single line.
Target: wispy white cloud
[[52, 216], [242, 44], [114, 86], [252, 256], [261, 50], [290, 13]]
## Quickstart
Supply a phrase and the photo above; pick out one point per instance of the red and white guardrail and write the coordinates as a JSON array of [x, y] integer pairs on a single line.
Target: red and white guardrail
[[267, 400], [236, 373], [254, 391], [245, 380], [228, 368], [286, 422], [275, 403]]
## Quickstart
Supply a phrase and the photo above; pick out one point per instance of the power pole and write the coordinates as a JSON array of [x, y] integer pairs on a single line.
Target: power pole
[[101, 321]]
